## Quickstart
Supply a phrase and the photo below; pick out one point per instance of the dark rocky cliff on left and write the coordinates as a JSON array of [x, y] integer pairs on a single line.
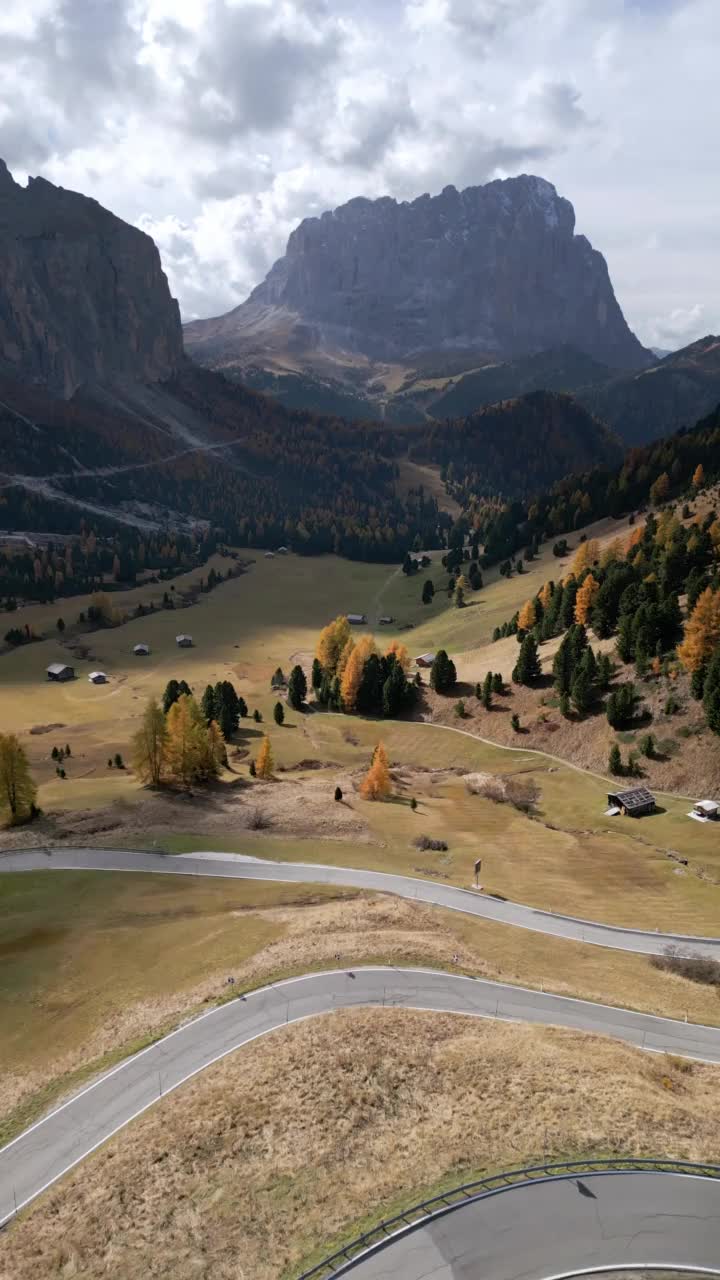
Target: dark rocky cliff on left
[[83, 296]]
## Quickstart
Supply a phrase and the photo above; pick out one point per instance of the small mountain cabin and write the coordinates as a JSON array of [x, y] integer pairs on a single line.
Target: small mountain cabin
[[97, 677], [706, 809], [184, 642], [425, 660], [59, 671], [356, 619], [633, 803], [141, 650]]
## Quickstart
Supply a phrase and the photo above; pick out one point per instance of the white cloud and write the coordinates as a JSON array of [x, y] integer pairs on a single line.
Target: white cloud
[[218, 124]]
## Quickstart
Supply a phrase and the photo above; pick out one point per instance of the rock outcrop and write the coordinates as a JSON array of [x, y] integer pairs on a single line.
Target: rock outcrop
[[83, 297], [494, 269]]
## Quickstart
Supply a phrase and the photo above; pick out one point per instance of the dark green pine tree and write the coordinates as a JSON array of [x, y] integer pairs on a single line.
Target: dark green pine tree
[[208, 705], [498, 684], [711, 693], [562, 667], [551, 623], [581, 691], [395, 691], [487, 691], [279, 713], [604, 669], [171, 695], [428, 591], [527, 669], [567, 611], [697, 682], [603, 611], [227, 708], [615, 764], [626, 637], [297, 688], [443, 675], [317, 675]]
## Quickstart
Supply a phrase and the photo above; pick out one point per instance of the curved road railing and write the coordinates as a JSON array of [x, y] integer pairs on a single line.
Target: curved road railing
[[337, 1263]]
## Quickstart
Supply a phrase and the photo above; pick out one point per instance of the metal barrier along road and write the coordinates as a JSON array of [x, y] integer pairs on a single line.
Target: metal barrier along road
[[457, 1196]]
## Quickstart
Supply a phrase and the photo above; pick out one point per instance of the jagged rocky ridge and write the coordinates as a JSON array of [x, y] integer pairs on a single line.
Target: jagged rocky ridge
[[83, 296], [495, 268]]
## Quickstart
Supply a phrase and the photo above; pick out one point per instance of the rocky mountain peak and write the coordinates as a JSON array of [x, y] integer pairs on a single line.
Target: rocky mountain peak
[[83, 297], [495, 269]]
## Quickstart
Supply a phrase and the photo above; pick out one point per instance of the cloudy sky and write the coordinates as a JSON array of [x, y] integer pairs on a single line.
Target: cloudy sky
[[216, 125]]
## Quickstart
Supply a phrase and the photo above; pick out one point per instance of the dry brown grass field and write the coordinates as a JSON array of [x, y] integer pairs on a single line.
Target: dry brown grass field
[[292, 1144], [94, 965]]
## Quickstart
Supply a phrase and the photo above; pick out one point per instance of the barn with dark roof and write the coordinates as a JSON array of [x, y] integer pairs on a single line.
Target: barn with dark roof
[[634, 803]]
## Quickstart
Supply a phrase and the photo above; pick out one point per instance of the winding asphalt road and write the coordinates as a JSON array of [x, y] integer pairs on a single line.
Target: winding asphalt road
[[55, 1144], [561, 1227], [236, 866]]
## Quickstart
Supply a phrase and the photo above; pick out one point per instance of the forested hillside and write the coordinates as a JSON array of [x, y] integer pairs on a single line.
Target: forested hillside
[[516, 447]]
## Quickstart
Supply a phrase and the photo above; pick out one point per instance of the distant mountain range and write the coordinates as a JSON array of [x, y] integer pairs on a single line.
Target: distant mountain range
[[369, 295], [417, 312], [104, 417]]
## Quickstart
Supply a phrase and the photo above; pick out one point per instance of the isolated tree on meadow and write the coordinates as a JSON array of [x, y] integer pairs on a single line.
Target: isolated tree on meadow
[[17, 789], [698, 476], [615, 764], [428, 591], [264, 764], [377, 784], [279, 713], [149, 744]]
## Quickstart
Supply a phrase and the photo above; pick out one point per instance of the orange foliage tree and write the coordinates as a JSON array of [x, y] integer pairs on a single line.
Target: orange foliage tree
[[401, 654], [702, 631], [353, 673], [331, 642], [527, 616], [264, 764], [698, 476], [585, 557], [377, 785], [545, 593], [584, 599]]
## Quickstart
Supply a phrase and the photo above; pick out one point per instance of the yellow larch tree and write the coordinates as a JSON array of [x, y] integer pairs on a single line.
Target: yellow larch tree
[[353, 673], [545, 594], [585, 598], [344, 658], [702, 631], [331, 642], [698, 476], [17, 789], [185, 749], [527, 616], [585, 557], [149, 744], [264, 764], [377, 785], [401, 654]]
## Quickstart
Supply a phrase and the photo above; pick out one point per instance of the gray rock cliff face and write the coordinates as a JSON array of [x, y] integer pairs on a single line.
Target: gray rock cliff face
[[495, 268], [83, 296]]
